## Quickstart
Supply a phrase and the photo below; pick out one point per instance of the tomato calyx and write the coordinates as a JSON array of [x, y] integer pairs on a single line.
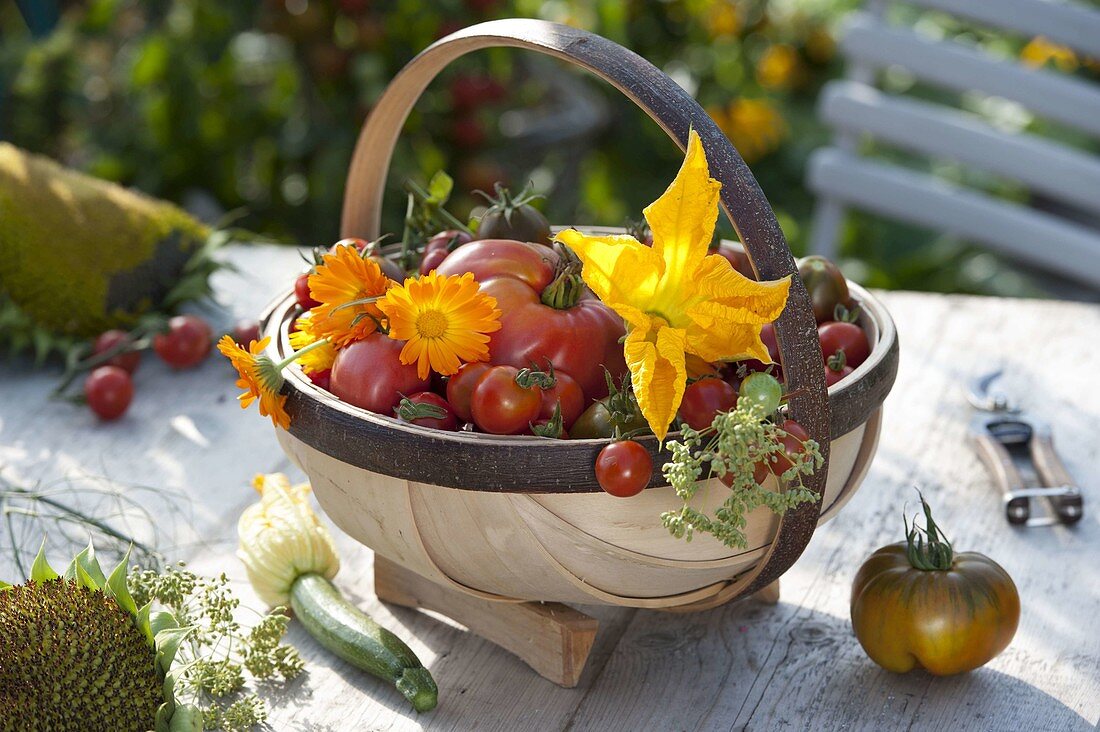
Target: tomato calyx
[[408, 410], [530, 378], [553, 427], [837, 361], [927, 549], [844, 314], [567, 287]]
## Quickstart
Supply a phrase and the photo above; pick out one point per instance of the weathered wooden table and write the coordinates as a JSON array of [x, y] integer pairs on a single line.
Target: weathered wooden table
[[795, 665]]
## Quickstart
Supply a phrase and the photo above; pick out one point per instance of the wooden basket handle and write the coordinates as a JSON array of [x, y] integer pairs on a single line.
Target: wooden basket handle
[[676, 112]]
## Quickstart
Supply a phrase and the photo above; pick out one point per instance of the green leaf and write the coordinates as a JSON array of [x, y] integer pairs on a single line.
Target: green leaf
[[187, 718], [439, 188], [85, 561], [143, 624], [167, 644], [84, 579], [162, 620], [4, 585], [164, 716], [117, 587], [41, 571]]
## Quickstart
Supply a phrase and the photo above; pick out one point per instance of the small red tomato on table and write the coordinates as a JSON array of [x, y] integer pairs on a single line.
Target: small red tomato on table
[[186, 342], [109, 391], [117, 341]]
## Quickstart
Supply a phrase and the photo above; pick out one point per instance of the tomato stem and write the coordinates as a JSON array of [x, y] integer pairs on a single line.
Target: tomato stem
[[927, 549]]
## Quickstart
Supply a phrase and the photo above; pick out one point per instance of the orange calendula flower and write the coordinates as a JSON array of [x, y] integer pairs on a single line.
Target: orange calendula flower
[[676, 299], [444, 319], [260, 377], [346, 285], [317, 359]]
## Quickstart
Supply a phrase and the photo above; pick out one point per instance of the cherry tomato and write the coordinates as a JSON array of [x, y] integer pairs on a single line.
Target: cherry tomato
[[580, 338], [186, 343], [109, 339], [624, 468], [427, 409], [596, 422], [448, 240], [781, 462], [513, 217], [705, 398], [566, 393], [322, 379], [460, 387], [432, 259], [500, 406], [836, 369], [301, 292], [763, 389], [109, 391], [369, 374], [846, 337], [826, 285]]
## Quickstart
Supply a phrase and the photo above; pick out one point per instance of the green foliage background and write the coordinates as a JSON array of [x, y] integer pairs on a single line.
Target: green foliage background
[[257, 103]]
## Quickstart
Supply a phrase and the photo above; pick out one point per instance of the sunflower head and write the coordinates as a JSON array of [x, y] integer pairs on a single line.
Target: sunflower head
[[445, 321], [76, 653]]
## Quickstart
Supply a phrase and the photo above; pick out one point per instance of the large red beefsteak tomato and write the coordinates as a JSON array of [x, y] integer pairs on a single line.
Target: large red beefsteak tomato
[[546, 312]]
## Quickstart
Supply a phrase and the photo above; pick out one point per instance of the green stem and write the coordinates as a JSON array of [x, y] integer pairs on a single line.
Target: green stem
[[932, 551], [443, 216], [299, 353]]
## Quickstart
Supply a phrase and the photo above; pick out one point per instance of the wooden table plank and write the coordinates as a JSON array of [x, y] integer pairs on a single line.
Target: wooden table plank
[[750, 666]]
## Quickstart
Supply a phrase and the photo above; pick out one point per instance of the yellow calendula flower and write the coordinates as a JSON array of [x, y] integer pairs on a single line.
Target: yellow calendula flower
[[318, 359], [445, 321], [281, 538], [347, 286], [260, 377], [1039, 51], [779, 67], [677, 299], [754, 126]]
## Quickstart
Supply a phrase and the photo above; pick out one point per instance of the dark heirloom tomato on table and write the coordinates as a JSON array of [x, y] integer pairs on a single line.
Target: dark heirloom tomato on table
[[921, 604], [547, 314]]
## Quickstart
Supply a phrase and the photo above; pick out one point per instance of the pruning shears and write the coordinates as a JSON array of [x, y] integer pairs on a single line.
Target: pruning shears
[[1004, 434]]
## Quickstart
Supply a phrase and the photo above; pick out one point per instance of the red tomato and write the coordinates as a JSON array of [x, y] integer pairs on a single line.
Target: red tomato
[[109, 391], [443, 240], [792, 446], [847, 337], [432, 260], [566, 392], [322, 379], [501, 406], [832, 376], [186, 343], [109, 339], [369, 374], [580, 340], [624, 468], [704, 399], [427, 410], [301, 292], [460, 387], [467, 132]]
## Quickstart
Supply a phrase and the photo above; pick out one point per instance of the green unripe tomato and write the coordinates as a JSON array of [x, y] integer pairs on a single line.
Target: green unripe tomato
[[763, 389]]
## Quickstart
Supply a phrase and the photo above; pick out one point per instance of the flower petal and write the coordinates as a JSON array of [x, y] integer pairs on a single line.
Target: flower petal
[[658, 373], [619, 268], [756, 302], [682, 220]]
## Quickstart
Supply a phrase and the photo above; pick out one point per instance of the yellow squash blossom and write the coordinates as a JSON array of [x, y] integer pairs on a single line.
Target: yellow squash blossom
[[677, 299], [317, 360], [347, 286], [281, 538], [445, 321]]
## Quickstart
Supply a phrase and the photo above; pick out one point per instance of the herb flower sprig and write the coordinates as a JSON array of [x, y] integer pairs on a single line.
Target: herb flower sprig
[[731, 449]]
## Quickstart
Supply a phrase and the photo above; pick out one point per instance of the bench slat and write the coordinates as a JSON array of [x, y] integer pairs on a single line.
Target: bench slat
[[924, 200], [1042, 165]]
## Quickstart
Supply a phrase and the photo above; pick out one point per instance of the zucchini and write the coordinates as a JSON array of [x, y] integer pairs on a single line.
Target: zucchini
[[352, 635]]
